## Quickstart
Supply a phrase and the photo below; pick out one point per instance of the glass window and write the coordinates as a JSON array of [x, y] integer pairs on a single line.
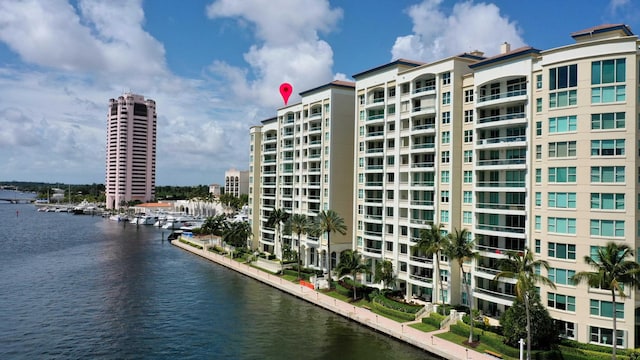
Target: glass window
[[562, 174], [562, 251], [606, 201], [563, 124], [607, 121], [446, 137], [561, 225], [467, 197], [607, 174], [607, 228]]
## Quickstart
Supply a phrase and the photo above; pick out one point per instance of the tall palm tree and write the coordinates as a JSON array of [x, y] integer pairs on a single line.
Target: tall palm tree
[[613, 272], [276, 219], [525, 270], [238, 234], [299, 225], [329, 221], [460, 249], [215, 225], [432, 243], [384, 272], [351, 263]]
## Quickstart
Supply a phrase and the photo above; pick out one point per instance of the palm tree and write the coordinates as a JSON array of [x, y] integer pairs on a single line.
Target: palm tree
[[299, 224], [351, 263], [329, 221], [276, 219], [384, 272], [611, 272], [460, 249], [238, 234], [215, 225], [432, 242], [522, 267]]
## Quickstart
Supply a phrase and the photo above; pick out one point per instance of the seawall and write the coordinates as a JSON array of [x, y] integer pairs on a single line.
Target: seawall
[[400, 331]]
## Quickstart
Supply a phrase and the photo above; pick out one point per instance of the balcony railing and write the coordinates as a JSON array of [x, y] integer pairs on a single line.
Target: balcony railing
[[375, 150], [373, 200], [424, 88], [494, 249], [503, 95], [423, 127], [422, 202], [375, 117], [373, 250], [373, 217], [424, 108], [422, 259], [422, 183], [424, 146], [422, 278], [422, 165], [373, 183], [500, 184], [501, 162], [500, 206], [487, 270], [495, 293], [488, 119], [499, 140], [375, 133], [501, 228], [374, 167]]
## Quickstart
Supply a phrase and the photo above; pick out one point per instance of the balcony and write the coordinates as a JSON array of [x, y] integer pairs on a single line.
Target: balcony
[[501, 228], [509, 298], [500, 162], [421, 259], [495, 249], [422, 183], [500, 184], [421, 278], [424, 89], [501, 140], [423, 146], [422, 202], [519, 207], [423, 164], [423, 127], [511, 95]]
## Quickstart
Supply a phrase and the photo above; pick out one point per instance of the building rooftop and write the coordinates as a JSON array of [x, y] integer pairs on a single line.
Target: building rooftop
[[525, 50], [626, 30], [399, 62]]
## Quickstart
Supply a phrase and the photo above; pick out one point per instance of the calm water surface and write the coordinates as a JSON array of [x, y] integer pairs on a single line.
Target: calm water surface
[[82, 287]]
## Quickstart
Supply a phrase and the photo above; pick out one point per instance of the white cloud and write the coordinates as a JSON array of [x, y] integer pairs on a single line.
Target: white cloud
[[92, 38], [289, 48], [470, 26]]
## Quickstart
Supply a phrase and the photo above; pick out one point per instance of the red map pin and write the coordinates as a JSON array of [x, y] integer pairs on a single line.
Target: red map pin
[[285, 91]]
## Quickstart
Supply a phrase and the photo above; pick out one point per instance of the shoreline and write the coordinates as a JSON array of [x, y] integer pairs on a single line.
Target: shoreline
[[425, 341]]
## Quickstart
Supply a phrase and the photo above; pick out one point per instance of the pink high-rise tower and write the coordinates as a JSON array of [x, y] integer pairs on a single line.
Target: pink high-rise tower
[[131, 150]]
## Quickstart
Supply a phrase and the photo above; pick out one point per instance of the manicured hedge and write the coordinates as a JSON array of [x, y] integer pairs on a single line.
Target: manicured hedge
[[434, 319], [190, 244], [391, 312], [492, 340], [398, 306]]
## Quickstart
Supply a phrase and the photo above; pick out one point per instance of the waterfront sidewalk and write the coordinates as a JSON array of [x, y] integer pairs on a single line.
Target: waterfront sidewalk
[[401, 331]]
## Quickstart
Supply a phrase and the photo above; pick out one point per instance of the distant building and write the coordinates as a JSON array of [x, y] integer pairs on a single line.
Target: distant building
[[214, 189], [131, 150], [236, 182]]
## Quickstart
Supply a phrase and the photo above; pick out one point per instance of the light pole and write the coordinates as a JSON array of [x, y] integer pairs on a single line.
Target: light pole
[[521, 342]]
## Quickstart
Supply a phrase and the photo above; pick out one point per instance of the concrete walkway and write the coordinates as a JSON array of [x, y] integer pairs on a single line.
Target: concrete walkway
[[400, 331]]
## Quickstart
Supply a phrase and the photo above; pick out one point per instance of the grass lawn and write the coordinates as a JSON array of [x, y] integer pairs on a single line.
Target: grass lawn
[[461, 340], [424, 327]]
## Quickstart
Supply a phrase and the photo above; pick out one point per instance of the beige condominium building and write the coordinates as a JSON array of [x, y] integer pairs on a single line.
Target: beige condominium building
[[530, 148], [408, 167], [236, 182], [300, 162], [131, 150]]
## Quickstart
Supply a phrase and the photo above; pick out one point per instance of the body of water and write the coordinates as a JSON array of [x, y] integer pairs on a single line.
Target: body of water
[[83, 287]]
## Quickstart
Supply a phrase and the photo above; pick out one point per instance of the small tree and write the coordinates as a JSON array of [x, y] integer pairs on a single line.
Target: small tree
[[351, 263], [613, 272], [522, 267], [432, 243], [384, 272], [329, 221], [299, 225], [514, 324], [460, 249]]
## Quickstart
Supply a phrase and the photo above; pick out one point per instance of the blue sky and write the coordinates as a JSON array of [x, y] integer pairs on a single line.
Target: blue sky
[[214, 67]]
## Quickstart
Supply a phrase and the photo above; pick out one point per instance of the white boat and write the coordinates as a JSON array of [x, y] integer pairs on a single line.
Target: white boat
[[174, 223], [145, 219]]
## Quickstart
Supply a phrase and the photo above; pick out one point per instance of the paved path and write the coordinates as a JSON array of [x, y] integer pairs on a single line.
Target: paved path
[[401, 331]]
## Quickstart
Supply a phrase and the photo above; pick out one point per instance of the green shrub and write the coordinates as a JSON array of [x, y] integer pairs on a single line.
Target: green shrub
[[490, 339], [398, 306], [434, 319], [391, 312]]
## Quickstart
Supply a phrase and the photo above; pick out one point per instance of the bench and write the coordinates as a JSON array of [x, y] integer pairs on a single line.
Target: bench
[[494, 354]]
